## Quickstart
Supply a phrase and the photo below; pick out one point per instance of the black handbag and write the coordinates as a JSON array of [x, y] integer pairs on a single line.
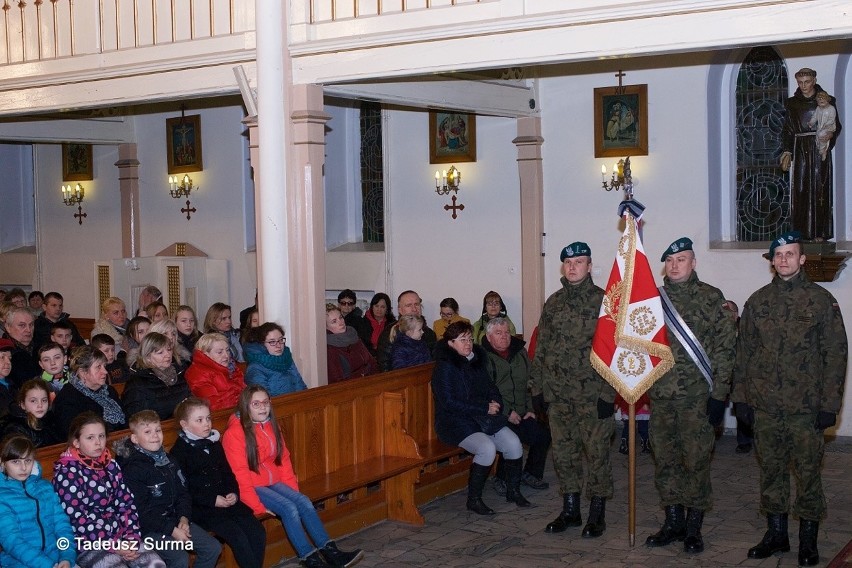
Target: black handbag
[[490, 424]]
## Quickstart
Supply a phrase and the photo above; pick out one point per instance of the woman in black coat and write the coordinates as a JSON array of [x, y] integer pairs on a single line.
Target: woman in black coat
[[156, 380], [467, 414], [87, 390]]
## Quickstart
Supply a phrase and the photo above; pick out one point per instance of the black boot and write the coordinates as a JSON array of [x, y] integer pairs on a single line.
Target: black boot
[[340, 558], [775, 539], [570, 515], [674, 527], [513, 483], [596, 524], [314, 560], [475, 483], [693, 543], [808, 553]]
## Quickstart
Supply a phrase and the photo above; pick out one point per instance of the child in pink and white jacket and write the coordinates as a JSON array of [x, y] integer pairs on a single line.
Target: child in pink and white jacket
[[92, 491]]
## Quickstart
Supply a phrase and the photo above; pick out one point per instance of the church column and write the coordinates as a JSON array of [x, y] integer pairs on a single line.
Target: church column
[[270, 153], [531, 173], [305, 204], [128, 186]]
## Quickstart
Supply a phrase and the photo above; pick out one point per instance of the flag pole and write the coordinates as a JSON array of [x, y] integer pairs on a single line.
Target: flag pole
[[631, 475]]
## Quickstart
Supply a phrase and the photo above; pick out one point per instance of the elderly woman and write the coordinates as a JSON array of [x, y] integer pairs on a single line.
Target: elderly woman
[[270, 362], [218, 320], [449, 311], [157, 380], [87, 391], [113, 322], [348, 358], [492, 307], [209, 376], [467, 414], [169, 329], [378, 316]]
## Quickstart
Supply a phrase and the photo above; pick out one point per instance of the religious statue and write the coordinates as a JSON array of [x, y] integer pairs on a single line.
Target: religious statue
[[810, 132]]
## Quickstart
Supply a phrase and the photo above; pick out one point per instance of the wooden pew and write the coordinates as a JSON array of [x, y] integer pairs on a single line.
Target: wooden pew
[[84, 326], [364, 451]]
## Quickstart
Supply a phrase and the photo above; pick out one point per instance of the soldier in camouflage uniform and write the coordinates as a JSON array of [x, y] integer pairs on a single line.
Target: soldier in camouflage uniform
[[791, 368], [685, 407], [581, 404]]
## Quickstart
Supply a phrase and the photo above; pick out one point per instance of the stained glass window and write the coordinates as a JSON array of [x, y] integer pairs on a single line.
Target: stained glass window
[[372, 173], [763, 189]]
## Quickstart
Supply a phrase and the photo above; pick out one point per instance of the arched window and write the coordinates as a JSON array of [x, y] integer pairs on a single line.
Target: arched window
[[763, 189]]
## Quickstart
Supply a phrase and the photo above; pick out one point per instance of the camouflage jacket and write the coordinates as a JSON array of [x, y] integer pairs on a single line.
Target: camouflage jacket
[[561, 369], [792, 349], [700, 306]]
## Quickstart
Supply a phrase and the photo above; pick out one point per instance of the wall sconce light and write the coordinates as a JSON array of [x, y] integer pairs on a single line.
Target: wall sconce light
[[74, 195], [621, 178], [182, 187], [447, 182]]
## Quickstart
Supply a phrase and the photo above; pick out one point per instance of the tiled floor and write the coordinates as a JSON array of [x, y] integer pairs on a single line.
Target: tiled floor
[[515, 537]]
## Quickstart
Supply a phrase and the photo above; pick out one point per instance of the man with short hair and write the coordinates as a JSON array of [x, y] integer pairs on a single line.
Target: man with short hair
[[509, 368], [689, 400], [407, 304], [149, 294], [53, 304], [581, 403], [19, 327], [791, 369]]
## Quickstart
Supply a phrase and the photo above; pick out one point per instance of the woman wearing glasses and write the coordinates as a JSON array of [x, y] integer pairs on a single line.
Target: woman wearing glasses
[[467, 414], [492, 307], [210, 375], [449, 309], [260, 460], [270, 363]]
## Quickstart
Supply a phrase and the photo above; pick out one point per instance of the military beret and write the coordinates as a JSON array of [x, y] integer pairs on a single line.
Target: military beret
[[575, 250], [680, 245], [788, 238], [7, 345]]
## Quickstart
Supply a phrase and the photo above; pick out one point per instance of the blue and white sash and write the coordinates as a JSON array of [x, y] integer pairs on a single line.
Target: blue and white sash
[[686, 338]]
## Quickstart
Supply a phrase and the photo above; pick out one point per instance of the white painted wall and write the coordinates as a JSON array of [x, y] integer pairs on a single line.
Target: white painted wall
[[439, 256], [69, 250], [342, 174]]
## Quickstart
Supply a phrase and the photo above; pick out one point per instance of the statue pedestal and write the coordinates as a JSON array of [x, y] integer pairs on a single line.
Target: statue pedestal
[[822, 261]]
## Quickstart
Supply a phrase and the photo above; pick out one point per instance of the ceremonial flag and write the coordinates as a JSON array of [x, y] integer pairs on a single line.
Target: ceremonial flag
[[630, 349]]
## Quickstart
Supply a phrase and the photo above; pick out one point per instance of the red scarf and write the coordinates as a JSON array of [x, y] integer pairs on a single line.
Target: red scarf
[[377, 327]]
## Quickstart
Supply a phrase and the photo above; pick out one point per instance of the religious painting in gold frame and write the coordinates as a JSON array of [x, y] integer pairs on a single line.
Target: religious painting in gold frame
[[621, 121], [452, 137], [183, 144], [77, 162]]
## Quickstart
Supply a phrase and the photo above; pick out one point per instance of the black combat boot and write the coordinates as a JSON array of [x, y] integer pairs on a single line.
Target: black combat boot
[[570, 515], [475, 483], [674, 528], [808, 553], [693, 543], [314, 560], [513, 482], [340, 558], [775, 539], [596, 525]]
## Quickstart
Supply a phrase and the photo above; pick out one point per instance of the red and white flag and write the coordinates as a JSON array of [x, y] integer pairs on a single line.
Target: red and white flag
[[630, 349]]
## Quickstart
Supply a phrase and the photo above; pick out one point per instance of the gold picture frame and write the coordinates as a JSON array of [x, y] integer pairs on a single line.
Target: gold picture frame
[[183, 144], [452, 137], [621, 121], [77, 162]]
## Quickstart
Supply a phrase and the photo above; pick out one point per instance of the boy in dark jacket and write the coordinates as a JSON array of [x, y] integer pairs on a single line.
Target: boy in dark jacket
[[212, 485], [161, 497]]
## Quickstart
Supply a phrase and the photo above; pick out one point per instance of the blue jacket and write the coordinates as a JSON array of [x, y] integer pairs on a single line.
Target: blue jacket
[[408, 352], [278, 375], [31, 521]]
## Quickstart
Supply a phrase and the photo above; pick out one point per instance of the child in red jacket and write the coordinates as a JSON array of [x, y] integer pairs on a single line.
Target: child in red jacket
[[260, 460]]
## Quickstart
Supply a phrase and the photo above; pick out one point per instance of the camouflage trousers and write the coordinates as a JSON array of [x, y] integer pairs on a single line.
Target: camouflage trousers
[[577, 432], [682, 441], [782, 441]]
